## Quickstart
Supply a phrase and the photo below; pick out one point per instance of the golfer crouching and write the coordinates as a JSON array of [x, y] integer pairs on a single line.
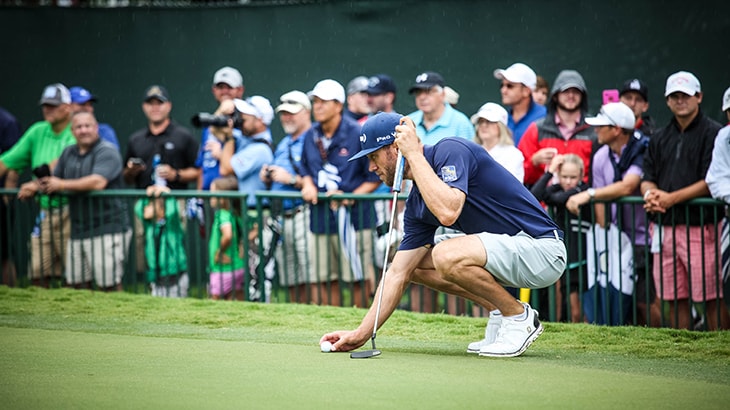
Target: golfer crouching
[[508, 240]]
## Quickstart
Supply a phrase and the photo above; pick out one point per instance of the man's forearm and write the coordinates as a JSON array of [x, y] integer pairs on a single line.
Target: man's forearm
[[188, 175]]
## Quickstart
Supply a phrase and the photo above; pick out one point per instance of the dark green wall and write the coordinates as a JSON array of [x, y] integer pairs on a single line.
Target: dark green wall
[[116, 53]]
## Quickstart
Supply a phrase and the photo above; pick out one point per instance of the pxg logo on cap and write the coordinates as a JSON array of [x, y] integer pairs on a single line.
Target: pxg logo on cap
[[377, 132]]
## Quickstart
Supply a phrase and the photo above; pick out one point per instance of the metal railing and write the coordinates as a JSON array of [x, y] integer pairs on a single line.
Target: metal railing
[[274, 272]]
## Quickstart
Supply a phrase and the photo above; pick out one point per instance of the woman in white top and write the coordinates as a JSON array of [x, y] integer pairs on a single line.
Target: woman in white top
[[492, 133]]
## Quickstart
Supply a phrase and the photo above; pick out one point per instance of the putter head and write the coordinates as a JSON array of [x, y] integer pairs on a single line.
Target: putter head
[[365, 354]]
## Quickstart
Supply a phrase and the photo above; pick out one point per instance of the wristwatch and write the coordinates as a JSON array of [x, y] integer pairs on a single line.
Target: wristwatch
[[591, 192], [293, 180]]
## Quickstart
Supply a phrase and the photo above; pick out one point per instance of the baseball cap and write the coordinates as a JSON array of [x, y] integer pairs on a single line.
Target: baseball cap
[[636, 85], [357, 85], [617, 113], [156, 92], [328, 90], [377, 132], [491, 112], [80, 95], [517, 73], [228, 75], [426, 80], [55, 94], [567, 79], [293, 102], [380, 84], [258, 106], [683, 82], [726, 100]]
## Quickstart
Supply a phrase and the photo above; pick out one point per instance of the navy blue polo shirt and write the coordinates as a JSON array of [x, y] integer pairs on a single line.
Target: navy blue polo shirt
[[344, 143], [496, 202]]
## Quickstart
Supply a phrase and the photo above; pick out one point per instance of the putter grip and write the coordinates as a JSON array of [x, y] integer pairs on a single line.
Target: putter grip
[[399, 166]]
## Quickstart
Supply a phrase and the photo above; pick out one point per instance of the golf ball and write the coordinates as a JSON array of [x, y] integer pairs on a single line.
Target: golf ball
[[326, 347]]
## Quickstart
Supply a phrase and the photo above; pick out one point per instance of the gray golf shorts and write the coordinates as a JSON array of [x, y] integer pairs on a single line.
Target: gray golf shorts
[[522, 261]]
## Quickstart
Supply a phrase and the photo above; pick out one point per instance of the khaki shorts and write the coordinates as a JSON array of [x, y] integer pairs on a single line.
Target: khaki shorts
[[328, 263], [291, 254], [99, 258], [48, 245], [522, 261]]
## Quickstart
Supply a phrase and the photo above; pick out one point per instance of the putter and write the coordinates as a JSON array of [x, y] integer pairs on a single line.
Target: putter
[[398, 181]]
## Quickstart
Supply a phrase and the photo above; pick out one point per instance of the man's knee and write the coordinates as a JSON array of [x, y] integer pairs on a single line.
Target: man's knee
[[440, 257]]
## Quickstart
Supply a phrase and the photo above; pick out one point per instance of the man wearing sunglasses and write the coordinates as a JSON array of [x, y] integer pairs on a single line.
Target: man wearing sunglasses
[[518, 83]]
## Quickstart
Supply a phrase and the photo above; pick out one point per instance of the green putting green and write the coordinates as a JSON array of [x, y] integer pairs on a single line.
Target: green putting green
[[65, 349]]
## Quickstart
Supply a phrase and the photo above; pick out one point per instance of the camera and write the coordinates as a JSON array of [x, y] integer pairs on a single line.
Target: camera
[[42, 171], [204, 119]]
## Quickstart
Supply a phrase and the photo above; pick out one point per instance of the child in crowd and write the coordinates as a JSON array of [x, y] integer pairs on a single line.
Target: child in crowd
[[570, 172], [541, 91], [225, 248], [164, 249]]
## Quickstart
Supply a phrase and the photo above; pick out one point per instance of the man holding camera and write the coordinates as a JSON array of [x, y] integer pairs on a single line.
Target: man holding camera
[[227, 85], [42, 144], [245, 158]]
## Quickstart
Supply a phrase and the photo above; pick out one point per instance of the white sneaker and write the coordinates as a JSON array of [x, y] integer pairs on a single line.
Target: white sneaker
[[514, 336], [490, 333]]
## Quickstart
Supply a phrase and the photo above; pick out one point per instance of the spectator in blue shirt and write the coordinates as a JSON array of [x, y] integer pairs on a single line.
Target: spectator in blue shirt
[[518, 83]]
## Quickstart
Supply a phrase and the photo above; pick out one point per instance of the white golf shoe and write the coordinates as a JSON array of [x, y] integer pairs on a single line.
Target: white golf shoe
[[514, 336], [490, 333]]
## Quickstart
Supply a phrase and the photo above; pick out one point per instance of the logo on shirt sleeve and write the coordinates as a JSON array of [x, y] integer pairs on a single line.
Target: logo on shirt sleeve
[[448, 173]]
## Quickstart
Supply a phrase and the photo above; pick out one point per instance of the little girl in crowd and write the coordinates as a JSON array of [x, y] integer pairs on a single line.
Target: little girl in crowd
[[570, 171], [225, 247]]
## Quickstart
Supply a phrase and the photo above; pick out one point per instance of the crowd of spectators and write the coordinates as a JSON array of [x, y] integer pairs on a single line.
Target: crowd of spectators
[[320, 248]]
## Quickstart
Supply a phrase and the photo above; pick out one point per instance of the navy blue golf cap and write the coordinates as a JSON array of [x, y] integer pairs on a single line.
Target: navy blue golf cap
[[377, 132]]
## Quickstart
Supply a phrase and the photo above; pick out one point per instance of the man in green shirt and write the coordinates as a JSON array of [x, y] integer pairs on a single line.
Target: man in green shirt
[[42, 144]]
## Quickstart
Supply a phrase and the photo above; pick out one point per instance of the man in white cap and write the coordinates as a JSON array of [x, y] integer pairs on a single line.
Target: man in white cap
[[617, 169], [325, 170], [718, 181], [245, 157], [518, 83], [38, 147], [227, 84], [284, 175], [675, 167]]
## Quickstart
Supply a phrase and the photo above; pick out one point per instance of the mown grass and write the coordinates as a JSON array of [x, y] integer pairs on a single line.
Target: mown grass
[[664, 352]]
